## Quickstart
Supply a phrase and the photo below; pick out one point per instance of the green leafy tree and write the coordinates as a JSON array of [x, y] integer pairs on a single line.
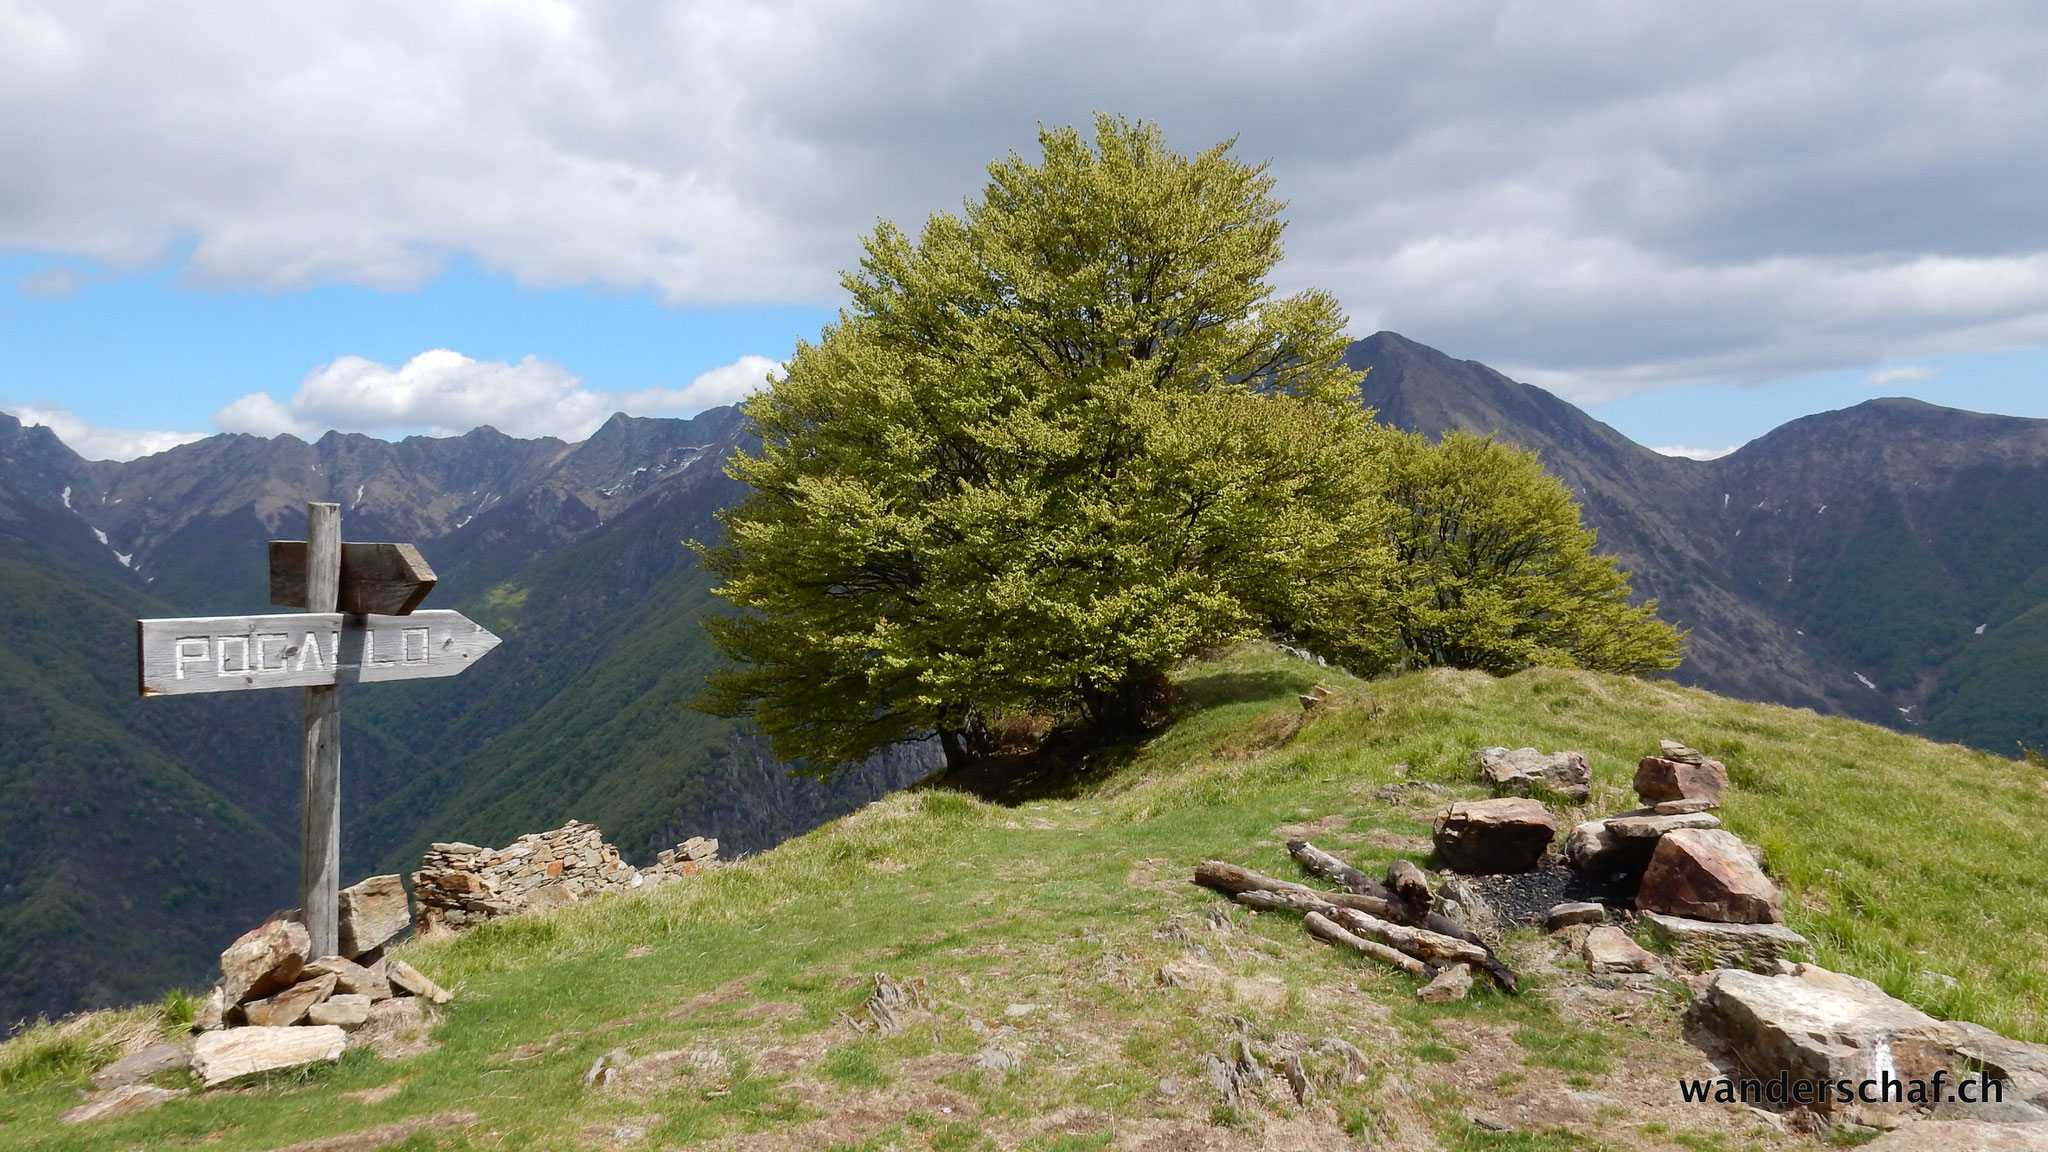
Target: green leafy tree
[[1493, 569], [1055, 445]]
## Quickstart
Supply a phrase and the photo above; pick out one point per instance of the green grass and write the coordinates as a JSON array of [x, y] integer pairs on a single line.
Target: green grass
[[1899, 857]]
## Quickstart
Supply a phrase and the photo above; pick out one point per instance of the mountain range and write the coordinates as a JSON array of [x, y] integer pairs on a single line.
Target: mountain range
[[1886, 562]]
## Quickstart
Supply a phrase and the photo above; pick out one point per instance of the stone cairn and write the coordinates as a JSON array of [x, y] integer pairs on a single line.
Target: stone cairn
[[459, 885], [278, 1006], [1702, 892], [1698, 887]]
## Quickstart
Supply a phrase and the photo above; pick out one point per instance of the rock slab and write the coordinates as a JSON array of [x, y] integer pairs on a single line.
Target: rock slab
[[1654, 826], [1580, 912], [1527, 772], [1659, 779], [1962, 1136], [1708, 874], [347, 1011], [1705, 944], [413, 982], [1822, 1025], [264, 960], [125, 1100], [291, 1005], [352, 978], [159, 1057], [219, 1057], [1609, 951], [1597, 850], [1493, 836], [371, 913], [1450, 984]]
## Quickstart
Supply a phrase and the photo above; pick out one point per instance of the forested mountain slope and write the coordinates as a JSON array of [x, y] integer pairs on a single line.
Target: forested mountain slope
[[1869, 545]]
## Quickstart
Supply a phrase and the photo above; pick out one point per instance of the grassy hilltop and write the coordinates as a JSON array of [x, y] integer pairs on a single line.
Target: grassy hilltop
[[1036, 936]]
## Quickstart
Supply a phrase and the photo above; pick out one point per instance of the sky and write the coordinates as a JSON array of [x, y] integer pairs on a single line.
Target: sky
[[1697, 221]]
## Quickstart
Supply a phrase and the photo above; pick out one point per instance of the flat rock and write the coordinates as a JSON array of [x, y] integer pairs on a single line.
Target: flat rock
[[2023, 1066], [1595, 849], [1962, 1136], [455, 848], [1451, 983], [1493, 836], [264, 960], [291, 1005], [1609, 951], [371, 913], [351, 978], [1527, 772], [1705, 944], [1680, 807], [1821, 1025], [1673, 750], [1578, 912], [1659, 779], [219, 1057], [1652, 826], [1708, 874], [159, 1057], [124, 1100], [1814, 1024], [347, 1011], [413, 982]]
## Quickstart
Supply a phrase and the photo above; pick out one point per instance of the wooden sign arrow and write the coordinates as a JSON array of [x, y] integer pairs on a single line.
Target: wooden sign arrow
[[304, 649], [389, 579]]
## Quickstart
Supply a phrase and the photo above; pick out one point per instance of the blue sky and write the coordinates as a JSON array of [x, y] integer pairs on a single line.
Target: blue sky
[[1696, 221]]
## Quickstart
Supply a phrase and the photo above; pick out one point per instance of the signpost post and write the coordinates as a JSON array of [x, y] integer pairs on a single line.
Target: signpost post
[[359, 627]]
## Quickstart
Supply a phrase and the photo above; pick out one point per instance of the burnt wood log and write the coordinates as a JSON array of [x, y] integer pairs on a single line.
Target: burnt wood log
[[1334, 870], [1384, 903], [1230, 880], [1323, 928], [1411, 885], [1417, 942]]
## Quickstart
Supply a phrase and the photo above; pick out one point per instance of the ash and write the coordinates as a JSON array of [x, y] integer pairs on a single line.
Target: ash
[[1524, 899]]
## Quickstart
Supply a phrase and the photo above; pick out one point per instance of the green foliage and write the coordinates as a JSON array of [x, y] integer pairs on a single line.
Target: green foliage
[[1493, 570], [1057, 444], [1065, 910]]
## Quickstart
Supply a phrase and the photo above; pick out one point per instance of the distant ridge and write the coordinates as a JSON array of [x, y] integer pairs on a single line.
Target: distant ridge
[[1935, 522], [1887, 562]]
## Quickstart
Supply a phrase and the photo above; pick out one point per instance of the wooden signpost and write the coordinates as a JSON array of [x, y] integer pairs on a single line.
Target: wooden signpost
[[358, 627]]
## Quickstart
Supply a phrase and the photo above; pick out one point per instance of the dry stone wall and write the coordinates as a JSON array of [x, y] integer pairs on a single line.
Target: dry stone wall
[[459, 885]]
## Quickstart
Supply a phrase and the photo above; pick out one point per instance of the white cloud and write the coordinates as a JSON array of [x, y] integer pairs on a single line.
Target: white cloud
[[95, 443], [444, 393], [728, 384], [1695, 453], [1903, 374], [1599, 197]]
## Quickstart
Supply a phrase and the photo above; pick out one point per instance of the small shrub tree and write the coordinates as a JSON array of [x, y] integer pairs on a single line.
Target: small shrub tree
[[1054, 446], [1492, 568]]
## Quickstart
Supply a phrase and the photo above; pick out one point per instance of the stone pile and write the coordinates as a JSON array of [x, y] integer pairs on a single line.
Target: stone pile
[[278, 1006], [1701, 889], [459, 885]]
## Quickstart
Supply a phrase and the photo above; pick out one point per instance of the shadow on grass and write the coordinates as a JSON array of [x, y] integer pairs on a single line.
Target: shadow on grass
[[1201, 693]]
